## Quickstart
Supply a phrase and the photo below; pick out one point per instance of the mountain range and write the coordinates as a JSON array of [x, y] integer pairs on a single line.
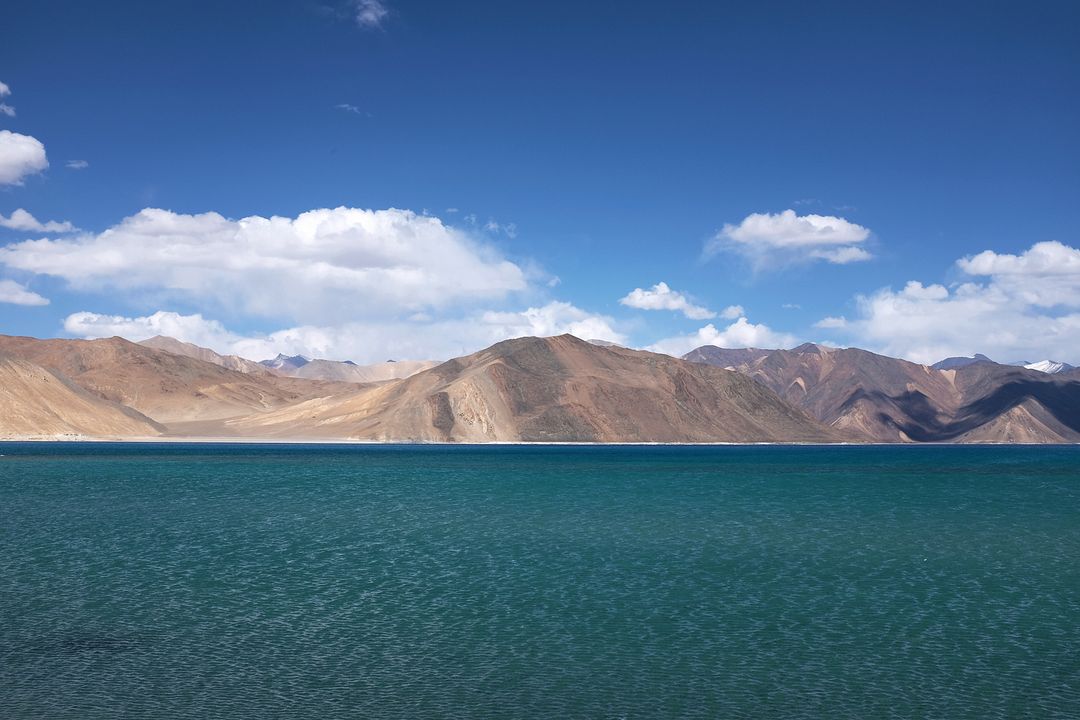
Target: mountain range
[[884, 399], [1050, 367], [557, 389], [296, 366]]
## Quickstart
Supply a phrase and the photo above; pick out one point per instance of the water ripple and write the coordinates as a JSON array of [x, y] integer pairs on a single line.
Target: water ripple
[[270, 582]]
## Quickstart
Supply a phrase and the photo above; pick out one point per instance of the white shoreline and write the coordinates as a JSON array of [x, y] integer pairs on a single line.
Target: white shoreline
[[214, 440]]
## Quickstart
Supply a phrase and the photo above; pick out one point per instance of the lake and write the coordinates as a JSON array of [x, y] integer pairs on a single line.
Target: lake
[[398, 581]]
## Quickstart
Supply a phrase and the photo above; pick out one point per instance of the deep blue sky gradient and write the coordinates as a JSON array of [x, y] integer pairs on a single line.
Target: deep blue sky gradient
[[617, 136]]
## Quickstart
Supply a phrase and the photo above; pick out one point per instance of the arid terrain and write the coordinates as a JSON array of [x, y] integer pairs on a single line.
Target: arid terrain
[[557, 389], [883, 399]]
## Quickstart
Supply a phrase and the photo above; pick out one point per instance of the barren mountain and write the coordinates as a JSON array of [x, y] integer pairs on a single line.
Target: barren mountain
[[878, 397], [296, 366], [553, 389], [956, 362], [232, 362], [351, 372], [285, 364], [889, 400], [162, 385], [35, 402], [1003, 403], [725, 357], [538, 389]]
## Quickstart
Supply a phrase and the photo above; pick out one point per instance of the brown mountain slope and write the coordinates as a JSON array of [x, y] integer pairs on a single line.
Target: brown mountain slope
[[36, 402], [1025, 422], [1003, 403], [553, 389], [881, 398], [164, 386], [232, 362], [889, 400]]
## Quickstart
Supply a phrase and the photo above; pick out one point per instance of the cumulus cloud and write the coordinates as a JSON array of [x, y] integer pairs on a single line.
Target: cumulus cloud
[[420, 337], [5, 90], [77, 164], [740, 334], [22, 220], [1016, 306], [831, 323], [732, 312], [16, 294], [775, 240], [188, 328], [322, 266], [662, 297], [20, 156], [1046, 275], [370, 14], [1044, 259], [555, 318]]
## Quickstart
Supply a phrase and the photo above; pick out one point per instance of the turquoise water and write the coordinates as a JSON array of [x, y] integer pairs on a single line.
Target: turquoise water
[[212, 581]]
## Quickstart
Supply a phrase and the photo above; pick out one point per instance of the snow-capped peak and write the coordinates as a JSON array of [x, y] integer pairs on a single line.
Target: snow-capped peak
[[1049, 366]]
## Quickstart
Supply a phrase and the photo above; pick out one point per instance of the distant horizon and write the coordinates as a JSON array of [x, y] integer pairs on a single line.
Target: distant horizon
[[368, 179], [595, 341]]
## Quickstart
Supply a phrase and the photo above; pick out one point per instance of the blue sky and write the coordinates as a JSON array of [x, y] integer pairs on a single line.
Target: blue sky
[[548, 159]]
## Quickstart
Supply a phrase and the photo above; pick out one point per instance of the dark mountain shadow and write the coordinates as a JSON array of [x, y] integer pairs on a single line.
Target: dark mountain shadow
[[920, 415], [1061, 400]]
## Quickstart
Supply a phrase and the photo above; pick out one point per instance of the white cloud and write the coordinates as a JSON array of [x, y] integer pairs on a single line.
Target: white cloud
[[775, 240], [324, 266], [370, 14], [842, 256], [555, 318], [1047, 274], [831, 323], [418, 338], [1028, 307], [1044, 259], [915, 290], [4, 107], [732, 312], [16, 294], [188, 328], [77, 164], [22, 220], [20, 155], [509, 229], [352, 109], [344, 284], [662, 297], [739, 334]]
